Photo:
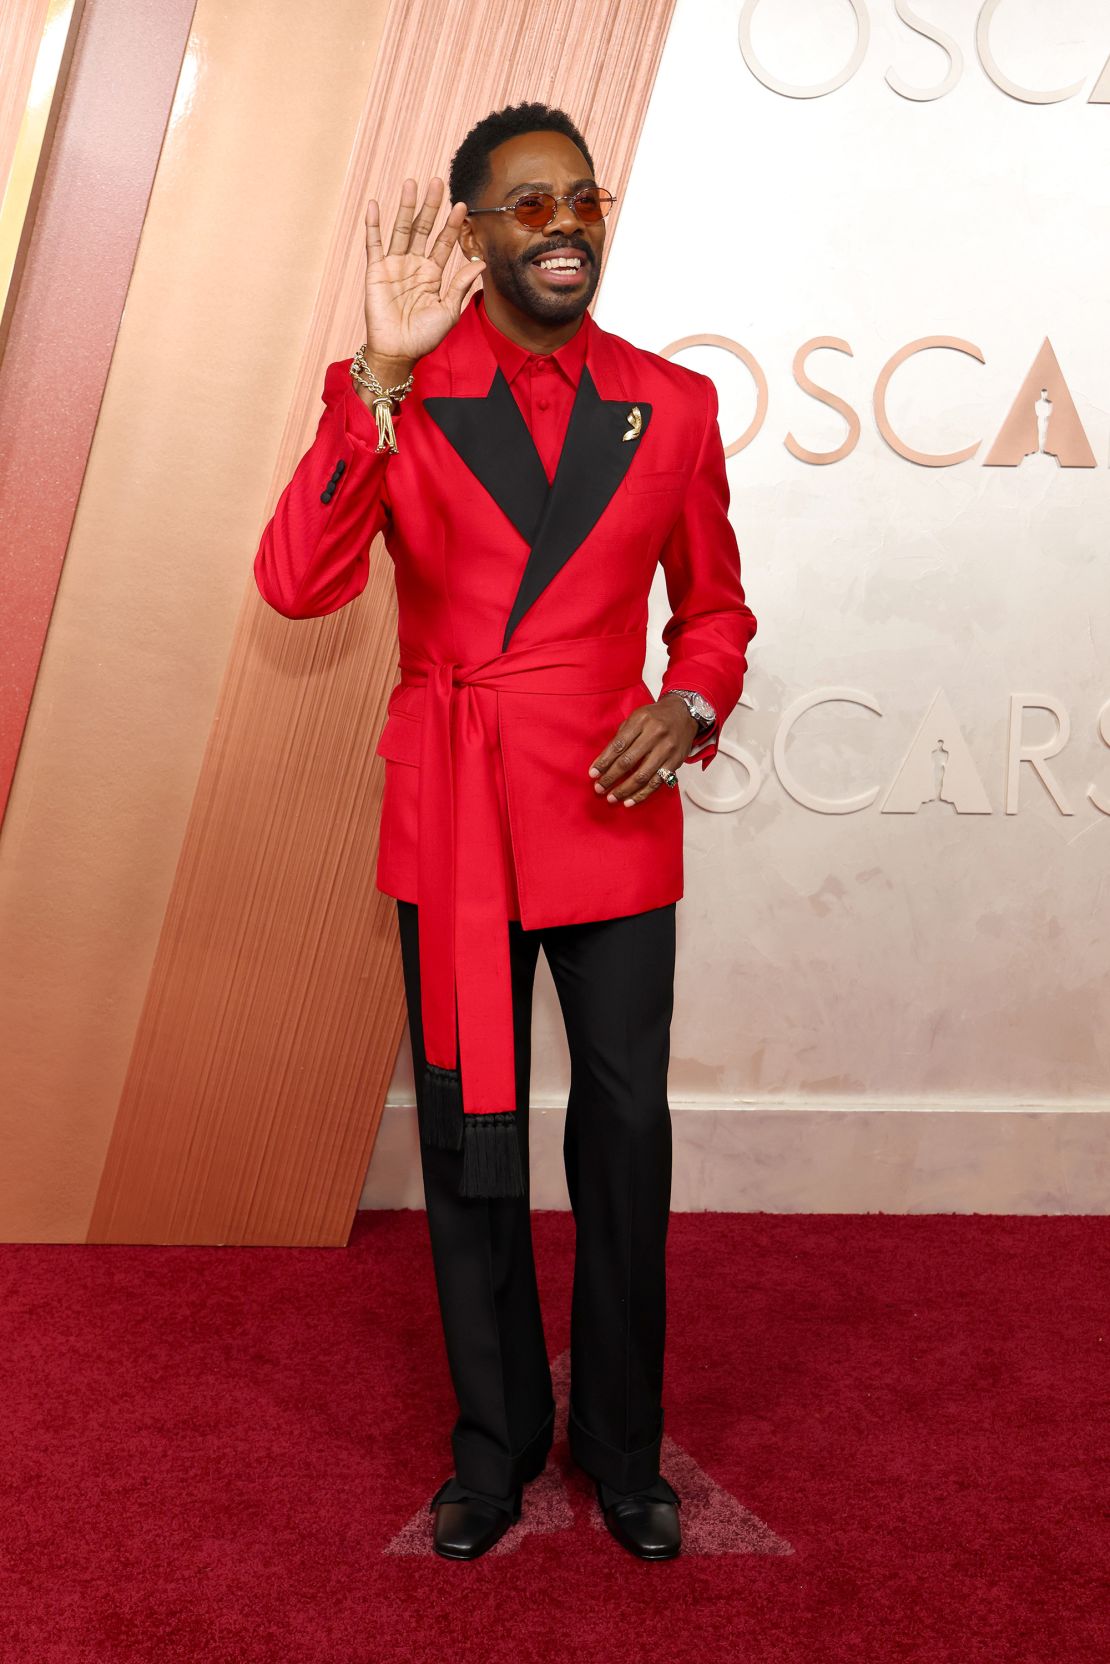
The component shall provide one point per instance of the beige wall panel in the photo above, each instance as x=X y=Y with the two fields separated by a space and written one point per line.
x=208 y=354
x=269 y=1038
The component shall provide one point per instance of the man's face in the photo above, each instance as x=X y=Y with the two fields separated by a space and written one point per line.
x=513 y=252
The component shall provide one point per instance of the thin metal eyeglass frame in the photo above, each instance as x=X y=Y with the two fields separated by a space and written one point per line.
x=511 y=208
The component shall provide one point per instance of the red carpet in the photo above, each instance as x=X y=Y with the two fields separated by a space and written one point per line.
x=890 y=1435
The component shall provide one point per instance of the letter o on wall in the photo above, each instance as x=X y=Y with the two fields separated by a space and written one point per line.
x=786 y=88
x=753 y=367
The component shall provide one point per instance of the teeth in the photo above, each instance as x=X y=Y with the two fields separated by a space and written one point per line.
x=559 y=264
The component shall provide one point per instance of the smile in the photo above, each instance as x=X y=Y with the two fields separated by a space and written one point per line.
x=560 y=269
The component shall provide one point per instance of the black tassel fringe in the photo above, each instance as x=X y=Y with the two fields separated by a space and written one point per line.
x=490 y=1143
x=491 y=1156
x=442 y=1122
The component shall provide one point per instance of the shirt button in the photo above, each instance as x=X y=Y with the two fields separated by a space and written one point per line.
x=542 y=403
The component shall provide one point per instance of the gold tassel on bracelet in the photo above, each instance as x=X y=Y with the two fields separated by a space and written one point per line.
x=384 y=398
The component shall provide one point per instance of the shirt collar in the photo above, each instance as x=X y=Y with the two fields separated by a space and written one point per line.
x=569 y=358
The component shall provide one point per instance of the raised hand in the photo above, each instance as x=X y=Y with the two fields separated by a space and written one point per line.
x=409 y=306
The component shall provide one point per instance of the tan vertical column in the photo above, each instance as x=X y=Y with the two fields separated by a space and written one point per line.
x=66 y=308
x=194 y=381
x=275 y=1006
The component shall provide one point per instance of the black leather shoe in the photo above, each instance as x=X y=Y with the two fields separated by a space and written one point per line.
x=644 y=1522
x=467 y=1522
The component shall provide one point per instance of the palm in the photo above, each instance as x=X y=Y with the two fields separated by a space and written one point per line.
x=406 y=316
x=409 y=306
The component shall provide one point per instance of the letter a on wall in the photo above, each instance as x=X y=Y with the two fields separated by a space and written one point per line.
x=1101 y=94
x=938 y=768
x=1019 y=436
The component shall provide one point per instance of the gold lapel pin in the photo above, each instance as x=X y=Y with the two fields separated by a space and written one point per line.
x=637 y=422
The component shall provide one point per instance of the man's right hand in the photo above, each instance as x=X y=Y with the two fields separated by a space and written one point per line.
x=408 y=308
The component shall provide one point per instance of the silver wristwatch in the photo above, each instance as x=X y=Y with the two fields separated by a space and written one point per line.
x=700 y=709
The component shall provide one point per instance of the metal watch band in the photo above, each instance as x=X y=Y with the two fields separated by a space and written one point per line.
x=697 y=705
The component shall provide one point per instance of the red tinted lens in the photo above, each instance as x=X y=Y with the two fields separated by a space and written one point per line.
x=535 y=211
x=591 y=205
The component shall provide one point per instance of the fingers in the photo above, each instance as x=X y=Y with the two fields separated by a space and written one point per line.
x=618 y=779
x=402 y=225
x=642 y=776
x=422 y=225
x=412 y=230
x=466 y=276
x=374 y=250
x=604 y=766
x=449 y=236
x=626 y=771
x=655 y=783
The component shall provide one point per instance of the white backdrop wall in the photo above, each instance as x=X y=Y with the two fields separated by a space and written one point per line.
x=885 y=906
x=871 y=954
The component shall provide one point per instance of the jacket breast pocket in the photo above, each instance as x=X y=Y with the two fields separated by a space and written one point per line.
x=659 y=479
x=400 y=739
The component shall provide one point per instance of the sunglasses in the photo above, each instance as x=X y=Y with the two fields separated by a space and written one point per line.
x=539 y=208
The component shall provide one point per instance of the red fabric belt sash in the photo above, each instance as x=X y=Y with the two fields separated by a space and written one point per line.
x=462 y=886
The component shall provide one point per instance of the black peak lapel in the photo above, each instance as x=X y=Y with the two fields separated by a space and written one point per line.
x=492 y=437
x=594 y=461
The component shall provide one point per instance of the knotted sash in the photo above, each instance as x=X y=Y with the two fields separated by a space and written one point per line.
x=462 y=892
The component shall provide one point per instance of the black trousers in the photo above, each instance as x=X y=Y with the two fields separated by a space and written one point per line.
x=615 y=983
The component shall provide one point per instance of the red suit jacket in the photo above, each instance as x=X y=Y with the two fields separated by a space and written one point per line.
x=522 y=618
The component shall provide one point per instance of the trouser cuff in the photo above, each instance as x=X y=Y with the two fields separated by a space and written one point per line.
x=622 y=1470
x=480 y=1466
x=452 y=1491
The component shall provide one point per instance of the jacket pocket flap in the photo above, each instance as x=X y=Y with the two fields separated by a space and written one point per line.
x=400 y=739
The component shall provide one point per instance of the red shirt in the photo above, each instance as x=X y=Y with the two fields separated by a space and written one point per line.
x=543 y=384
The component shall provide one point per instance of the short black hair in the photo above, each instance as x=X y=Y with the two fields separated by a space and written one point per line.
x=470 y=169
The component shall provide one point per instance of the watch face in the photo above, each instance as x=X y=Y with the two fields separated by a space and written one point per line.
x=698 y=706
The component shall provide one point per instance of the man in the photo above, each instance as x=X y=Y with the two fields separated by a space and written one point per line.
x=528 y=481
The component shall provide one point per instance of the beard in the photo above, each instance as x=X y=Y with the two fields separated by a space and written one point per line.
x=518 y=281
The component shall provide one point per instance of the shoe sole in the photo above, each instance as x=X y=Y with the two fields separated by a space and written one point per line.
x=445 y=1555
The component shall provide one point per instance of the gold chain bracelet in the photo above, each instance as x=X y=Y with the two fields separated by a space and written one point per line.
x=384 y=398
